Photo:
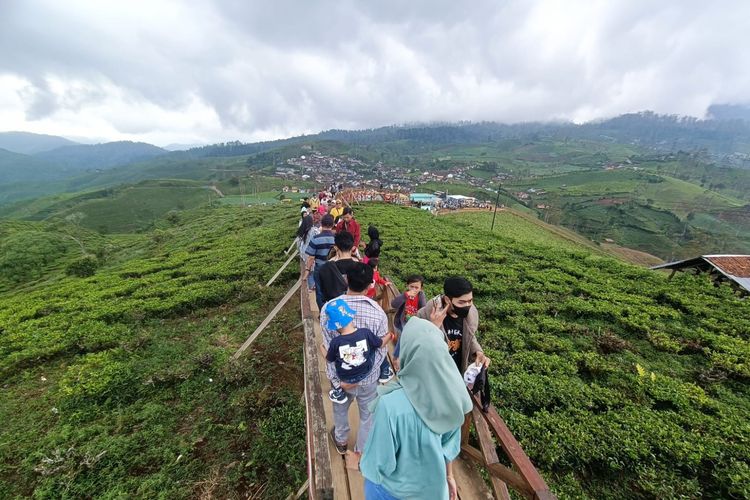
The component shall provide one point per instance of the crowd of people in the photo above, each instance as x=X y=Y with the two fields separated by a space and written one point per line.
x=409 y=430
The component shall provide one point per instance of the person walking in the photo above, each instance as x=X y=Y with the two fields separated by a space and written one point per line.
x=457 y=317
x=317 y=255
x=337 y=210
x=416 y=431
x=349 y=224
x=368 y=314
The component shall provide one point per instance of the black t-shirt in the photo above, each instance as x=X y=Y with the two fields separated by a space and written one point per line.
x=454 y=328
x=353 y=354
x=331 y=285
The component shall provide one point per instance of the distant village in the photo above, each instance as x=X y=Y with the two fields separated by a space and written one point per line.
x=402 y=184
x=379 y=182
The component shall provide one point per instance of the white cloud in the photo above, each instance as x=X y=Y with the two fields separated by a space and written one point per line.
x=201 y=71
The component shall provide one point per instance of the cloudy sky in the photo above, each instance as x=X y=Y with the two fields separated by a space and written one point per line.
x=205 y=71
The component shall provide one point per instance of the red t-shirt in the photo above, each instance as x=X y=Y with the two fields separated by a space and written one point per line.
x=411 y=307
x=376 y=280
x=350 y=227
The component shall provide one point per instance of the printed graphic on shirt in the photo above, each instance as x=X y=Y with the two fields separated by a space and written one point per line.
x=454 y=345
x=454 y=330
x=353 y=356
x=412 y=306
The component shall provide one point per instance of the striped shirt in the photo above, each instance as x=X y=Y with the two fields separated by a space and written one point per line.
x=320 y=245
x=368 y=315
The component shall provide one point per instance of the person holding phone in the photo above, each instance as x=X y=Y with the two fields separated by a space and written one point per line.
x=457 y=317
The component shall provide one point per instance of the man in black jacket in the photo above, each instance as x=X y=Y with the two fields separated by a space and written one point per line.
x=333 y=273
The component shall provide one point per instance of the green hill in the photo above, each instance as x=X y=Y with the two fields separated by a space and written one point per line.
x=119 y=384
x=658 y=214
x=129 y=208
x=617 y=381
x=16 y=167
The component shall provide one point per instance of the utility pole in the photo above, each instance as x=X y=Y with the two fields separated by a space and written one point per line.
x=497 y=200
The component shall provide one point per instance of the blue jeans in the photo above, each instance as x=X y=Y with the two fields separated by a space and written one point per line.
x=310 y=281
x=376 y=492
x=384 y=366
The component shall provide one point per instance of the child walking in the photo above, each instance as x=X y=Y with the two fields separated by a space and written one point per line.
x=352 y=352
x=377 y=279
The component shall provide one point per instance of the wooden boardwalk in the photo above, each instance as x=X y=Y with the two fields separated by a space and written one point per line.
x=347 y=483
x=328 y=477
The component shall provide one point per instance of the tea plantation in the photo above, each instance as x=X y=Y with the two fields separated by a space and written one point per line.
x=119 y=385
x=618 y=382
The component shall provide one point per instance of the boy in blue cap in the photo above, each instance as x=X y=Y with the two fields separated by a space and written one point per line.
x=352 y=352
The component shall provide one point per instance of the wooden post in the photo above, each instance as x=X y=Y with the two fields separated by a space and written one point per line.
x=268 y=319
x=300 y=491
x=487 y=446
x=281 y=269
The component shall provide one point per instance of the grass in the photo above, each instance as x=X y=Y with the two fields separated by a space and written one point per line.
x=525 y=228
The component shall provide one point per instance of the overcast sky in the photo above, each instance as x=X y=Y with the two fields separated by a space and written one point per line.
x=206 y=71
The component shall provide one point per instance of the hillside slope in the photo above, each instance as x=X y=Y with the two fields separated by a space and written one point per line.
x=617 y=382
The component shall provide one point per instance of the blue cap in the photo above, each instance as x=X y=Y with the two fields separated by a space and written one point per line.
x=339 y=314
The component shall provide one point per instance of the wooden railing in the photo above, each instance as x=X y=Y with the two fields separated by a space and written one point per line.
x=522 y=477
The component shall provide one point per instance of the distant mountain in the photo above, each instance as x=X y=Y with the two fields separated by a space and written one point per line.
x=729 y=112
x=101 y=156
x=29 y=144
x=15 y=167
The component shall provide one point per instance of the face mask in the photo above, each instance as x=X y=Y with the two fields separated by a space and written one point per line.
x=461 y=312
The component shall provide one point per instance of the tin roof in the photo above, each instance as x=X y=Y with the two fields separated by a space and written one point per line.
x=734 y=267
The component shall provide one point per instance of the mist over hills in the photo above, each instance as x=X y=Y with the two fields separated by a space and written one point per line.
x=100 y=156
x=29 y=144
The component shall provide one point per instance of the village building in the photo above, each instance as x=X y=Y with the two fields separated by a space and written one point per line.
x=732 y=269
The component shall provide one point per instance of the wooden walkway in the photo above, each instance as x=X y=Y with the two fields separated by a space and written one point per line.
x=328 y=477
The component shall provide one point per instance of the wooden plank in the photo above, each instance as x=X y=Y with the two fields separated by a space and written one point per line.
x=319 y=458
x=487 y=446
x=339 y=474
x=510 y=476
x=469 y=482
x=513 y=449
x=268 y=319
x=283 y=266
x=300 y=491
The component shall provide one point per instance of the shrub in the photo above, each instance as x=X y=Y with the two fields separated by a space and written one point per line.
x=83 y=266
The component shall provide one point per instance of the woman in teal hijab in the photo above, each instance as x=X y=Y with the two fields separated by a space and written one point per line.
x=416 y=432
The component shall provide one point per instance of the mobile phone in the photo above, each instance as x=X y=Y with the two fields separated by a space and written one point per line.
x=441 y=301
